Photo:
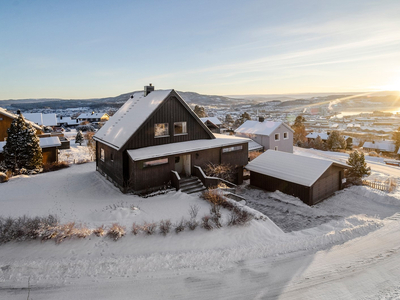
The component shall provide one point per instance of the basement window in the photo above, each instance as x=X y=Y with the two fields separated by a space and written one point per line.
x=156 y=162
x=180 y=128
x=230 y=149
x=161 y=130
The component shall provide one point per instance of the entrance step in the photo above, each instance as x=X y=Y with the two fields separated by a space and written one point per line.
x=191 y=185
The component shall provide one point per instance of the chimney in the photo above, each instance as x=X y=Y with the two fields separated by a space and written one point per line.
x=261 y=119
x=148 y=89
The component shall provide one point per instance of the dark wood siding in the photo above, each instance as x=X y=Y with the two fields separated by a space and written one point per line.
x=170 y=111
x=50 y=155
x=113 y=168
x=236 y=158
x=327 y=184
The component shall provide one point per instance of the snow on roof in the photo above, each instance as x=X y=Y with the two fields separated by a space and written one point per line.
x=262 y=128
x=213 y=120
x=313 y=135
x=34 y=117
x=253 y=146
x=129 y=117
x=47 y=142
x=67 y=120
x=291 y=167
x=13 y=116
x=220 y=140
x=387 y=146
x=42 y=119
x=91 y=115
x=49 y=119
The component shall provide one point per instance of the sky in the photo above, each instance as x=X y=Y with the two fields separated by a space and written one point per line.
x=92 y=49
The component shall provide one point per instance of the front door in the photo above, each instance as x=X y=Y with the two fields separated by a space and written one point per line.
x=182 y=165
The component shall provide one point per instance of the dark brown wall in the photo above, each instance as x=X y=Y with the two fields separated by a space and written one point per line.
x=272 y=184
x=5 y=123
x=328 y=186
x=50 y=155
x=236 y=158
x=113 y=169
x=170 y=111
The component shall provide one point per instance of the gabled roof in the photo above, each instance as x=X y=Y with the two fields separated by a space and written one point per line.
x=127 y=120
x=213 y=120
x=387 y=146
x=91 y=116
x=13 y=116
x=254 y=146
x=290 y=167
x=323 y=135
x=261 y=128
x=45 y=142
x=42 y=119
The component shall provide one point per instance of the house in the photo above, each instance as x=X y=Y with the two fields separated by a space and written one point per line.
x=42 y=119
x=6 y=119
x=49 y=147
x=382 y=146
x=271 y=135
x=214 y=124
x=154 y=133
x=310 y=179
x=324 y=137
x=93 y=117
x=67 y=122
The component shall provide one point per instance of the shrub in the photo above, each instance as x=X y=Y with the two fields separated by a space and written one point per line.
x=206 y=222
x=116 y=231
x=100 y=231
x=239 y=217
x=223 y=171
x=149 y=228
x=193 y=211
x=54 y=166
x=192 y=224
x=3 y=177
x=180 y=226
x=216 y=215
x=254 y=154
x=165 y=227
x=135 y=228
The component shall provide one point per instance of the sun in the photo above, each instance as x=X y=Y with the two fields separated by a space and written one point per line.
x=393 y=85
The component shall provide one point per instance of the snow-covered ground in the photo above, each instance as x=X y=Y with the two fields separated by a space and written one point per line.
x=343 y=248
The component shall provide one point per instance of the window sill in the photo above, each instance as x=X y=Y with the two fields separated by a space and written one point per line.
x=178 y=134
x=161 y=136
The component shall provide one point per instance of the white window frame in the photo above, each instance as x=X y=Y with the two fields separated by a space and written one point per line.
x=155 y=162
x=155 y=130
x=184 y=128
x=287 y=135
x=231 y=149
x=279 y=136
x=102 y=154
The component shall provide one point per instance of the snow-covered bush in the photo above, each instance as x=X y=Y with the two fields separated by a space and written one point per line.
x=54 y=166
x=223 y=171
x=239 y=217
x=100 y=231
x=79 y=138
x=206 y=222
x=136 y=228
x=116 y=231
x=149 y=228
x=3 y=177
x=165 y=227
x=358 y=168
x=180 y=225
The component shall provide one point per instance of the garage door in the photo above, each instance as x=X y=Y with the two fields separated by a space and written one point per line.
x=325 y=187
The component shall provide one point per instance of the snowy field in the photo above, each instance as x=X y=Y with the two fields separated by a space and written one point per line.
x=346 y=247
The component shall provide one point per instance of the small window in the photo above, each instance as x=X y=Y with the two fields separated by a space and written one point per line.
x=1 y=119
x=180 y=128
x=276 y=136
x=230 y=149
x=161 y=129
x=276 y=148
x=101 y=154
x=112 y=156
x=156 y=162
x=285 y=135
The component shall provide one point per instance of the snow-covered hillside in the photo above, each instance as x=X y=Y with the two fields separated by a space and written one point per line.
x=349 y=249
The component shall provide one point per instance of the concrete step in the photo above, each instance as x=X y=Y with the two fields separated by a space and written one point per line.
x=195 y=190
x=190 y=183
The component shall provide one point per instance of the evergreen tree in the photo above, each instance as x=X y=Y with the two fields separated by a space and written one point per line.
x=228 y=119
x=335 y=141
x=358 y=165
x=299 y=135
x=396 y=138
x=22 y=149
x=243 y=118
x=79 y=138
x=319 y=144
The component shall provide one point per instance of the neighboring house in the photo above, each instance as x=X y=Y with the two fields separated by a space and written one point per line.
x=67 y=122
x=49 y=147
x=310 y=179
x=42 y=119
x=271 y=135
x=6 y=119
x=214 y=124
x=93 y=117
x=155 y=133
x=382 y=146
x=324 y=137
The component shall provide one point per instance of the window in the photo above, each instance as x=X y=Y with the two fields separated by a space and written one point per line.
x=285 y=135
x=276 y=148
x=112 y=156
x=180 y=128
x=1 y=119
x=276 y=136
x=156 y=162
x=161 y=129
x=101 y=154
x=230 y=149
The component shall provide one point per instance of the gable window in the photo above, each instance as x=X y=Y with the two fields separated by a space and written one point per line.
x=276 y=136
x=285 y=135
x=230 y=149
x=161 y=129
x=101 y=154
x=156 y=162
x=276 y=148
x=180 y=128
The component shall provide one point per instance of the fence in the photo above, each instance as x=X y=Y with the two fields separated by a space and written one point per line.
x=382 y=186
